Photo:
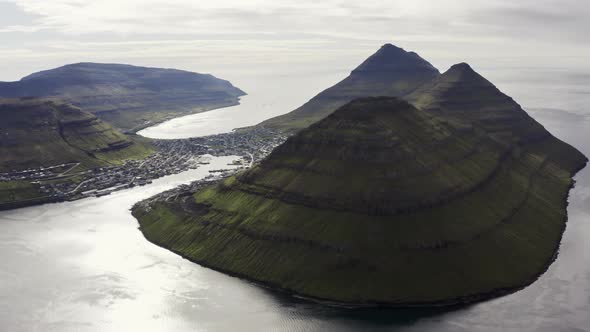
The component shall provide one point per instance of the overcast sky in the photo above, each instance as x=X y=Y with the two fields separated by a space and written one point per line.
x=222 y=35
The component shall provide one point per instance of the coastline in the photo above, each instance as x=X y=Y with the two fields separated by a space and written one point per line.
x=221 y=105
x=44 y=199
x=456 y=302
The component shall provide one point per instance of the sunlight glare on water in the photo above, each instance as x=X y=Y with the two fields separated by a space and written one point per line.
x=84 y=265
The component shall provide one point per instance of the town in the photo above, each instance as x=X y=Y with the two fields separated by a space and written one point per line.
x=68 y=182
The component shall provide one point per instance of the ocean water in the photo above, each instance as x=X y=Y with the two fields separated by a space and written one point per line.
x=269 y=94
x=84 y=265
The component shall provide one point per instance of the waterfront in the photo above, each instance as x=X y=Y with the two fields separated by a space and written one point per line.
x=84 y=266
x=171 y=156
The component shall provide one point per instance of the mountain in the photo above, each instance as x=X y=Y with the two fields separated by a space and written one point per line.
x=128 y=97
x=39 y=133
x=45 y=132
x=381 y=203
x=463 y=96
x=391 y=71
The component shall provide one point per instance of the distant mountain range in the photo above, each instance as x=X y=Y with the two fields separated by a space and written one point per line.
x=450 y=195
x=128 y=97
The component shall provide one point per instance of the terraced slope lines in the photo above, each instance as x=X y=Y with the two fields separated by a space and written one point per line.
x=128 y=97
x=381 y=204
x=42 y=133
x=391 y=71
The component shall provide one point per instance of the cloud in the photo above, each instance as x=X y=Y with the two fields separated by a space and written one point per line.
x=372 y=19
x=13 y=19
x=550 y=21
x=291 y=30
x=19 y=28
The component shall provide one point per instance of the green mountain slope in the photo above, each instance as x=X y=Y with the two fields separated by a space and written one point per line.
x=39 y=133
x=44 y=132
x=464 y=97
x=128 y=97
x=382 y=203
x=391 y=71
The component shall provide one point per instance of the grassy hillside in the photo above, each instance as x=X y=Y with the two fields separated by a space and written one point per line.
x=382 y=203
x=391 y=71
x=464 y=97
x=127 y=97
x=44 y=133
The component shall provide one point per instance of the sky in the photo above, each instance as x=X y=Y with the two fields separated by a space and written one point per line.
x=238 y=37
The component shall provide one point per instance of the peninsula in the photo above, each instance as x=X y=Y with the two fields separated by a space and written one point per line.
x=128 y=97
x=68 y=133
x=450 y=195
x=46 y=145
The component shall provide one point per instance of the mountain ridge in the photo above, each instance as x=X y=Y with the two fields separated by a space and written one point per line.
x=331 y=214
x=42 y=132
x=464 y=97
x=391 y=71
x=127 y=96
x=46 y=133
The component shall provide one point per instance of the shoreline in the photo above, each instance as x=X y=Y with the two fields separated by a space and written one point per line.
x=44 y=199
x=456 y=302
x=221 y=105
x=171 y=156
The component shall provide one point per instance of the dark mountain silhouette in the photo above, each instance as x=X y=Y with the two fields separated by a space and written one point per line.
x=381 y=203
x=391 y=71
x=128 y=97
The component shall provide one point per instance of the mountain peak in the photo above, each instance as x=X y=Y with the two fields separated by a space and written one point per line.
x=392 y=59
x=110 y=90
x=464 y=73
x=461 y=95
x=391 y=72
x=389 y=46
x=463 y=66
x=425 y=206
